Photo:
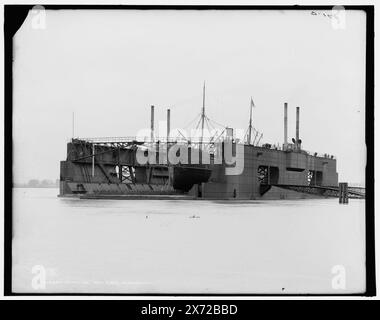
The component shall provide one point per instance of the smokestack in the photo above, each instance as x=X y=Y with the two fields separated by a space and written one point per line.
x=229 y=133
x=297 y=125
x=168 y=125
x=151 y=123
x=285 y=124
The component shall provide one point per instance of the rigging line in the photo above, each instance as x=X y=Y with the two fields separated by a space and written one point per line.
x=192 y=121
x=254 y=139
x=199 y=122
x=220 y=134
x=216 y=131
x=212 y=138
x=221 y=125
x=211 y=124
x=209 y=129
x=214 y=128
x=259 y=139
x=218 y=124
x=182 y=134
x=208 y=124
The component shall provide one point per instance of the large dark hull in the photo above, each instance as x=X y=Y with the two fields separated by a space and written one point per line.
x=185 y=177
x=265 y=174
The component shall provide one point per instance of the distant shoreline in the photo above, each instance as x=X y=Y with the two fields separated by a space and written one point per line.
x=39 y=187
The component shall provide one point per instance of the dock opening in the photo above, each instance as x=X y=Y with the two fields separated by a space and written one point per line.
x=268 y=175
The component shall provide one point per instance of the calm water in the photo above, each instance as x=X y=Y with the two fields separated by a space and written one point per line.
x=154 y=246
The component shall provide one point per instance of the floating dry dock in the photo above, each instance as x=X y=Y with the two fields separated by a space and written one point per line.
x=109 y=168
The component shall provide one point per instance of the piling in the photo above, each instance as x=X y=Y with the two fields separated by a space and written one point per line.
x=343 y=192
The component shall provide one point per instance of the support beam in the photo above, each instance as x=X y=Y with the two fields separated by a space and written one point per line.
x=131 y=174
x=120 y=173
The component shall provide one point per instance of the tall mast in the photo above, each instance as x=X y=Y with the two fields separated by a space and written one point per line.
x=152 y=124
x=250 y=123
x=203 y=109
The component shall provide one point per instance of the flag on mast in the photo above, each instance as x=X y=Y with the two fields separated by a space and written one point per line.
x=252 y=103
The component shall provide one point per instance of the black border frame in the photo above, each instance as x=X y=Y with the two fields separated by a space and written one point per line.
x=14 y=15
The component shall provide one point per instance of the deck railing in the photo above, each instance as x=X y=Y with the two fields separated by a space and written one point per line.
x=191 y=140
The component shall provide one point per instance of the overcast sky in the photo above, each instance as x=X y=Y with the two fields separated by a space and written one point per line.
x=109 y=67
